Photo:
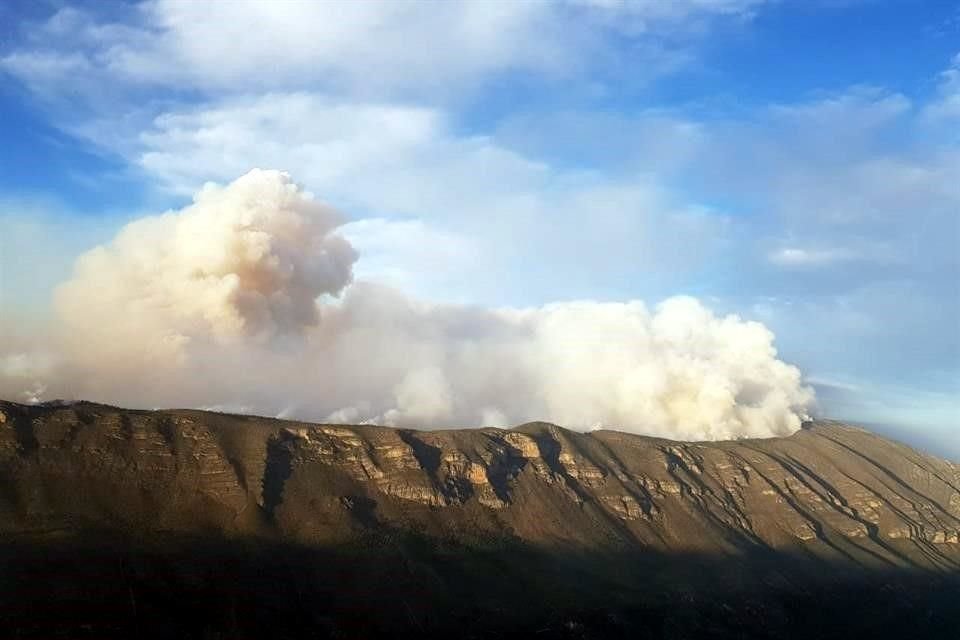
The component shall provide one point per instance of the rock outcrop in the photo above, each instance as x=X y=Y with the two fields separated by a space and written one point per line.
x=831 y=489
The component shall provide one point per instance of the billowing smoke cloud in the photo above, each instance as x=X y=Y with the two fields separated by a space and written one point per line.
x=244 y=301
x=244 y=263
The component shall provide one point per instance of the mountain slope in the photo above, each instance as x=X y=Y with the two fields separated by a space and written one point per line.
x=676 y=514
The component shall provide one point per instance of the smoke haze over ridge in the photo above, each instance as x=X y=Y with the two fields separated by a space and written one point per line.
x=245 y=301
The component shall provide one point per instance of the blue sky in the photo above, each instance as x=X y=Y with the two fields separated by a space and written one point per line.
x=794 y=162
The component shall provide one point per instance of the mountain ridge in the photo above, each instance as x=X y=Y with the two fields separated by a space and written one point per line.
x=830 y=482
x=366 y=531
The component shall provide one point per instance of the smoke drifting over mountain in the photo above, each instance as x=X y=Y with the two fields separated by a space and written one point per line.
x=244 y=301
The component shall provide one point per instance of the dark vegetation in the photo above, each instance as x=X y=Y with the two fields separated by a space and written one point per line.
x=104 y=586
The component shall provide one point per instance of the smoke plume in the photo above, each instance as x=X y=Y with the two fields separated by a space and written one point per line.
x=244 y=301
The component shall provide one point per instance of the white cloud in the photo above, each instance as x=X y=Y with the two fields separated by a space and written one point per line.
x=376 y=47
x=356 y=45
x=798 y=257
x=393 y=254
x=394 y=161
x=853 y=182
x=313 y=88
x=946 y=109
x=334 y=141
x=850 y=114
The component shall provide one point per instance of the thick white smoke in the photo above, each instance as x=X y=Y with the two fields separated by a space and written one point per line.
x=243 y=263
x=243 y=301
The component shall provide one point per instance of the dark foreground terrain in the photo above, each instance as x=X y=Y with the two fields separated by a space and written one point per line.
x=125 y=524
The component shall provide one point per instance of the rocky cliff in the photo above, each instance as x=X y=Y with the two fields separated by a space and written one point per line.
x=831 y=488
x=831 y=492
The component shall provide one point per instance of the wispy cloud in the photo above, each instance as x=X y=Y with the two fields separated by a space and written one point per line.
x=801 y=258
x=380 y=47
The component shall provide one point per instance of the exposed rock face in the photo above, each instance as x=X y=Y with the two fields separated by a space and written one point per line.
x=830 y=489
x=118 y=524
